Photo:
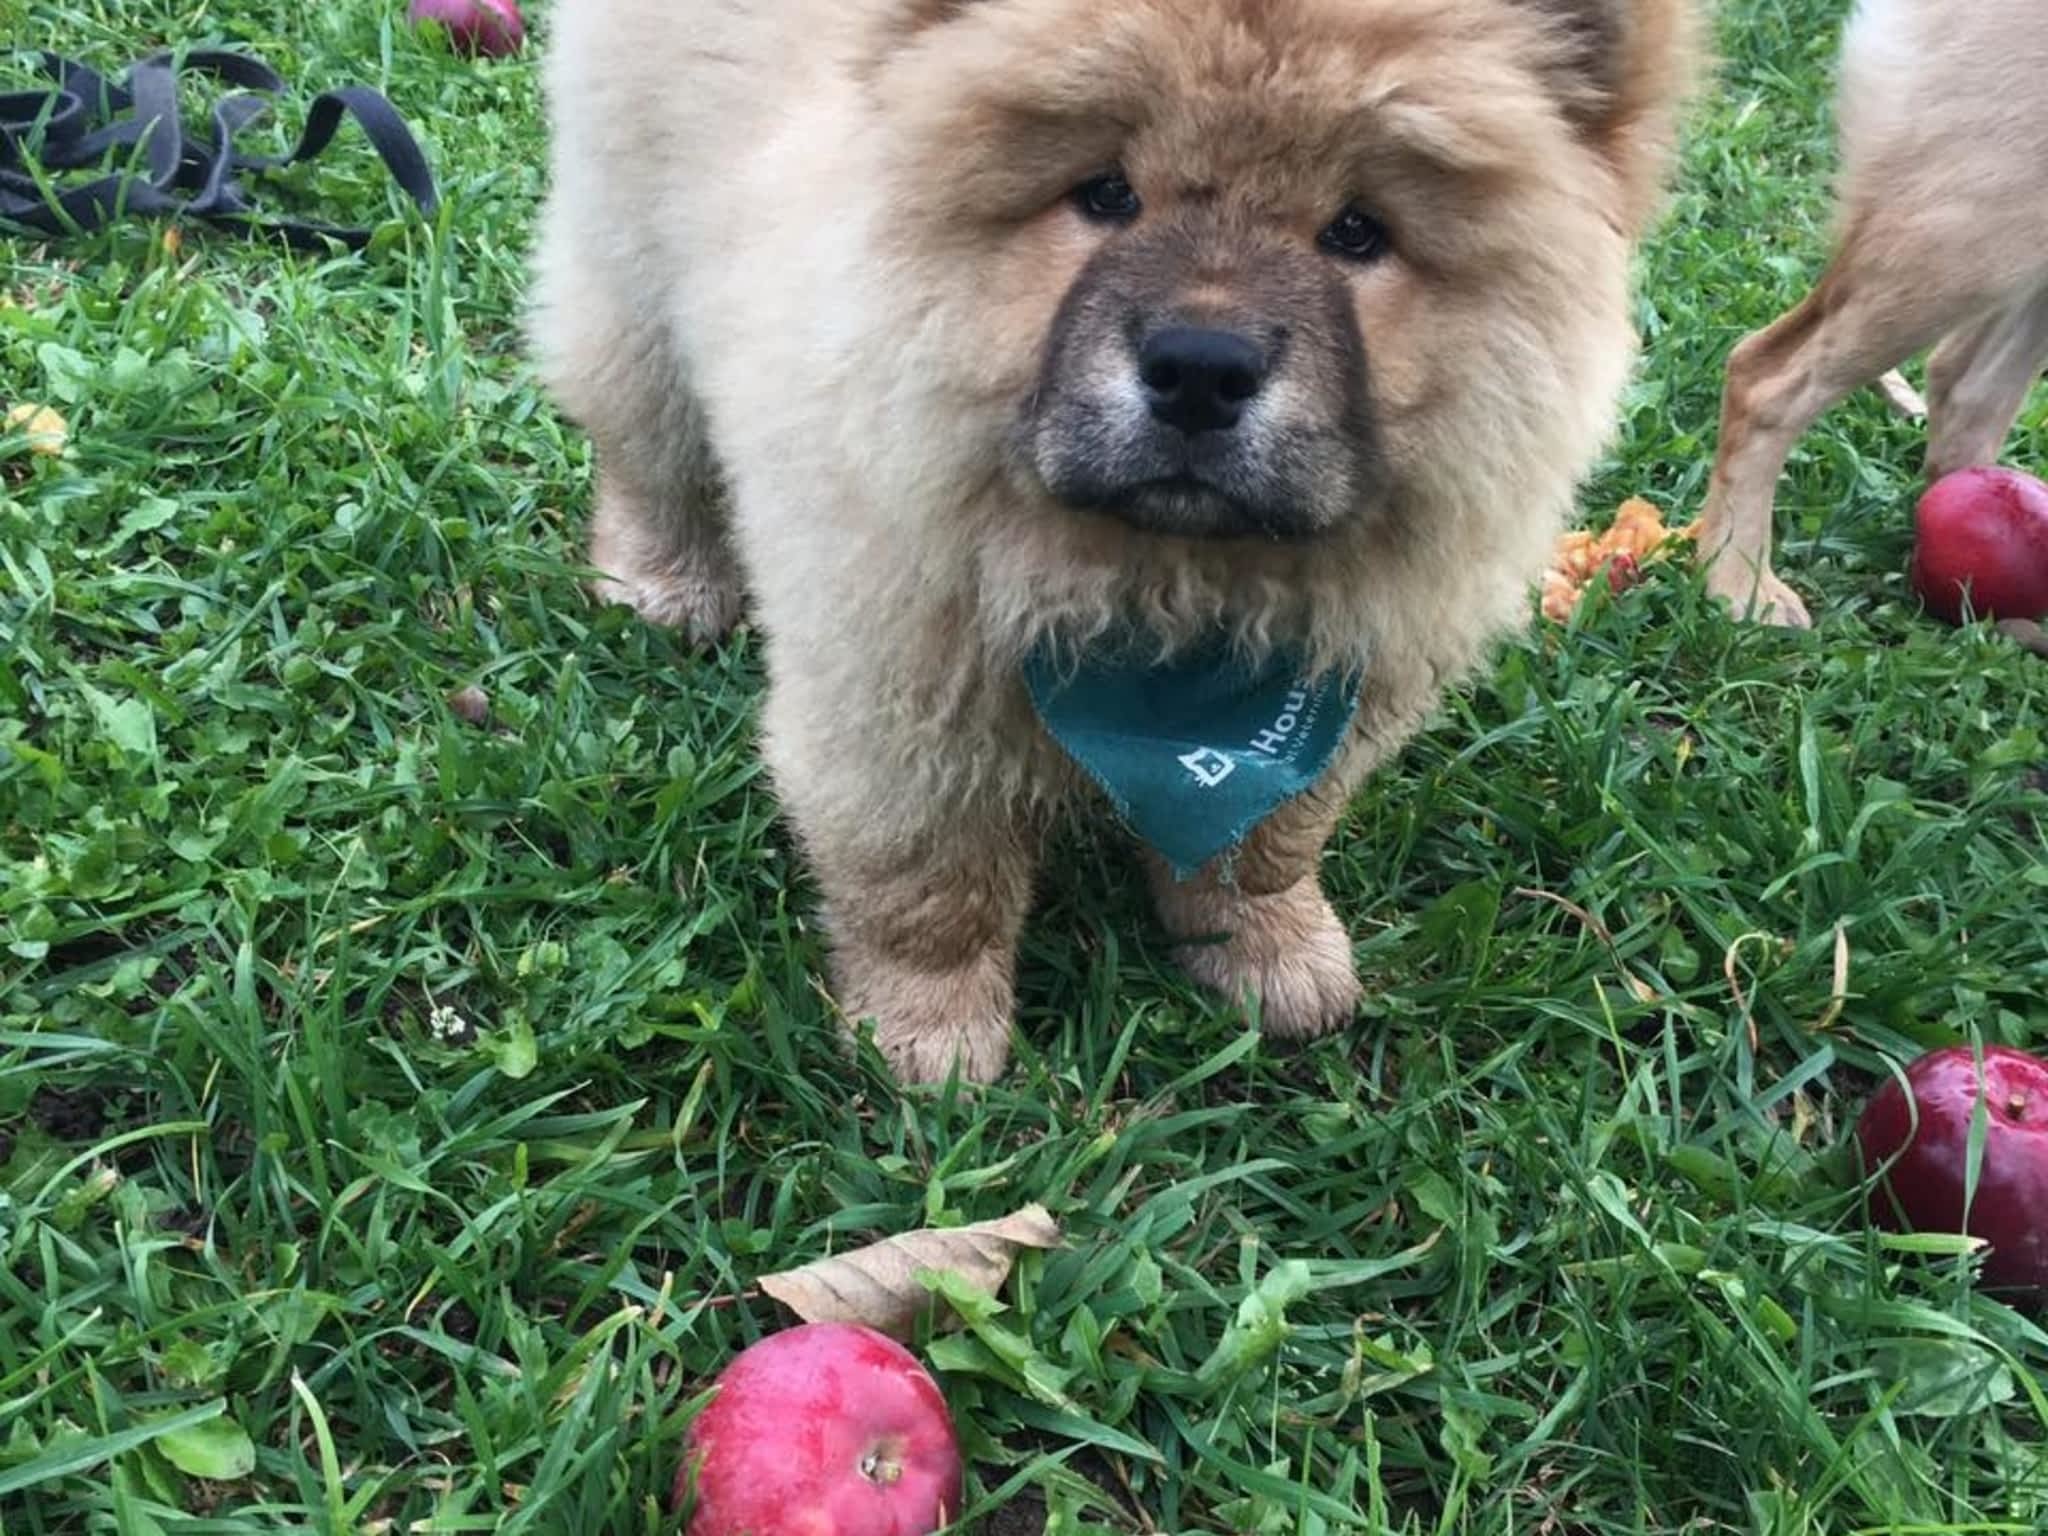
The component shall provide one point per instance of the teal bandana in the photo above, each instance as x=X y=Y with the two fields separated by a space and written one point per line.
x=1198 y=751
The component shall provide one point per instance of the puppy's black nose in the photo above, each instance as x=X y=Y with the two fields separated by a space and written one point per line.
x=1198 y=379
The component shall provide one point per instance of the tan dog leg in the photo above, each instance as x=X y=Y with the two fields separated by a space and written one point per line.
x=1262 y=932
x=1977 y=380
x=658 y=531
x=1868 y=312
x=924 y=942
x=657 y=538
x=1268 y=937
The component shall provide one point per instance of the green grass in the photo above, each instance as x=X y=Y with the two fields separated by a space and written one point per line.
x=391 y=1108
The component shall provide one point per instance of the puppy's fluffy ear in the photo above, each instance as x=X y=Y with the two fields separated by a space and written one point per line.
x=1623 y=70
x=904 y=23
x=909 y=17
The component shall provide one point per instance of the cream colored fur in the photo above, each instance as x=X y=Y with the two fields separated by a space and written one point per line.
x=800 y=380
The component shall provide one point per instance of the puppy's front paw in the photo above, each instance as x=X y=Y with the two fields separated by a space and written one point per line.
x=1286 y=952
x=927 y=1020
x=1761 y=596
x=673 y=569
x=701 y=598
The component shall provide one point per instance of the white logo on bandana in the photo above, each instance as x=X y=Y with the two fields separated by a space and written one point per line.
x=1208 y=766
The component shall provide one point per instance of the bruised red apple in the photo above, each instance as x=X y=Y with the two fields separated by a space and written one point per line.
x=1982 y=532
x=825 y=1429
x=492 y=28
x=1925 y=1186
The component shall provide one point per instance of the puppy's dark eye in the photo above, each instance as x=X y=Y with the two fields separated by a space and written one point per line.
x=1108 y=198
x=1355 y=235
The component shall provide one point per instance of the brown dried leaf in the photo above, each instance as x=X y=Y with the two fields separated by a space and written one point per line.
x=1838 y=999
x=878 y=1285
x=1730 y=959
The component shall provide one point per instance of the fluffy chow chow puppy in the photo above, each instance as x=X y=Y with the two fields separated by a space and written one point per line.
x=1126 y=400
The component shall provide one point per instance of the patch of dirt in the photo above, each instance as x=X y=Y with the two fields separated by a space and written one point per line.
x=73 y=1114
x=78 y=1116
x=186 y=1220
x=1291 y=1063
x=1022 y=1516
x=459 y=1323
x=1025 y=1515
x=86 y=951
x=177 y=968
x=2032 y=781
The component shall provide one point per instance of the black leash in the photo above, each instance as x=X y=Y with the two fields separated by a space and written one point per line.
x=80 y=122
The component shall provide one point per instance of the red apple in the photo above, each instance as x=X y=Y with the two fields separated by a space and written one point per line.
x=492 y=28
x=1925 y=1185
x=825 y=1429
x=1984 y=532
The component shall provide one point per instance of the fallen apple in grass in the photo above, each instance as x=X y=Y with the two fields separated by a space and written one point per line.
x=1982 y=533
x=825 y=1429
x=1924 y=1123
x=493 y=28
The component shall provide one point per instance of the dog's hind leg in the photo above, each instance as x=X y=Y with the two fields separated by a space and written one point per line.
x=657 y=532
x=658 y=538
x=1870 y=310
x=1977 y=380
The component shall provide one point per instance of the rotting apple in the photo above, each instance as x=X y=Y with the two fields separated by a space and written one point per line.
x=1982 y=533
x=493 y=28
x=1924 y=1123
x=824 y=1429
